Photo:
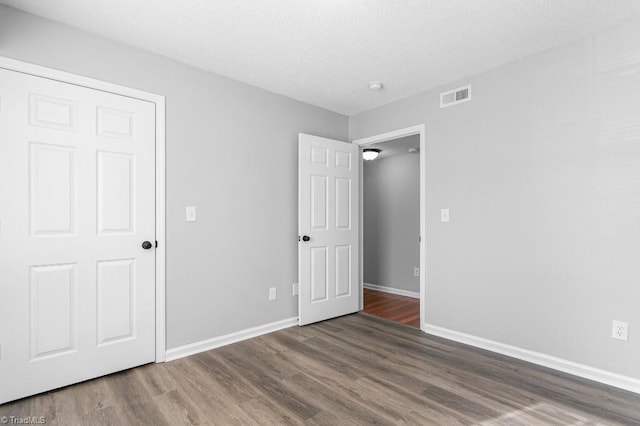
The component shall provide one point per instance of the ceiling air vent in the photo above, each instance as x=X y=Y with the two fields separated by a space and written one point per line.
x=455 y=96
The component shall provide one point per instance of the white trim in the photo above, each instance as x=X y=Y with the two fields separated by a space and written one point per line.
x=78 y=80
x=227 y=339
x=395 y=134
x=391 y=290
x=420 y=129
x=159 y=101
x=161 y=249
x=570 y=367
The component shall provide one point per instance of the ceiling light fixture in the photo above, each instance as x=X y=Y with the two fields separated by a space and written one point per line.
x=370 y=154
x=376 y=86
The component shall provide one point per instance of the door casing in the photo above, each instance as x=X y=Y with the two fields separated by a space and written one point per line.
x=383 y=137
x=159 y=101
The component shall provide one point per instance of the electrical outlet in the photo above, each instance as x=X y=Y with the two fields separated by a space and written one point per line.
x=416 y=272
x=273 y=295
x=620 y=330
x=294 y=289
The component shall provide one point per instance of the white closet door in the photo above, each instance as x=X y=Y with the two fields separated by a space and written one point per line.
x=77 y=200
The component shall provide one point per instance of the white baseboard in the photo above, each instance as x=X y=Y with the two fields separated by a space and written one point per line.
x=413 y=294
x=227 y=339
x=570 y=367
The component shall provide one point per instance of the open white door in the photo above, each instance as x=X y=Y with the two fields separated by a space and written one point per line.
x=328 y=185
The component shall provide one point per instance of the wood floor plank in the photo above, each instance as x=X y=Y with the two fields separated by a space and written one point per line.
x=402 y=309
x=104 y=416
x=266 y=412
x=274 y=384
x=92 y=396
x=56 y=407
x=140 y=412
x=156 y=379
x=127 y=388
x=207 y=394
x=178 y=409
x=334 y=383
x=357 y=369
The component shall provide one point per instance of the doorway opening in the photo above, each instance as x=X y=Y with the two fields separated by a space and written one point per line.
x=392 y=260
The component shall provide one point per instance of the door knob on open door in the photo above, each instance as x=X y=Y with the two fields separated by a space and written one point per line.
x=306 y=238
x=147 y=245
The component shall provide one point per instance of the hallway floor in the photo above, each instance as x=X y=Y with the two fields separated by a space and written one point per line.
x=402 y=309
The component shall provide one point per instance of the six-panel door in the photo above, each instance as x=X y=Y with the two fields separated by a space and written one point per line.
x=77 y=199
x=328 y=215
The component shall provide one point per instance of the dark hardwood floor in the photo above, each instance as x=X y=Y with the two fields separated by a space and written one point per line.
x=356 y=369
x=402 y=309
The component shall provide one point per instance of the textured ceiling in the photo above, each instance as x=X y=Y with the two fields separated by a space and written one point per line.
x=325 y=52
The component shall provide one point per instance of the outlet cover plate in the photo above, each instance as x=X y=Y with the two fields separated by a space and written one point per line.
x=272 y=293
x=620 y=330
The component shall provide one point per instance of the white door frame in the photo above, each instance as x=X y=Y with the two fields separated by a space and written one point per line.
x=159 y=101
x=408 y=131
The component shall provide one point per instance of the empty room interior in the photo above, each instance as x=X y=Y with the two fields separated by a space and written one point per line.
x=293 y=212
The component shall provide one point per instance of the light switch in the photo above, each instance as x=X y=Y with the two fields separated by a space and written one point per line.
x=192 y=214
x=444 y=215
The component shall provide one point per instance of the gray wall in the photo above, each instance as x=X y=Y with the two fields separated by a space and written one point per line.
x=541 y=172
x=231 y=151
x=392 y=221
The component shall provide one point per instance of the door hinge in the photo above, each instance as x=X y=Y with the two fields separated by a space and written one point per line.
x=156 y=243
